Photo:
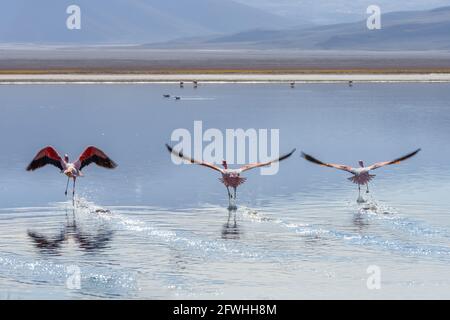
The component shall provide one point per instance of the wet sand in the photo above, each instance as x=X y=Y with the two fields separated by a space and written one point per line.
x=218 y=78
x=59 y=64
x=110 y=59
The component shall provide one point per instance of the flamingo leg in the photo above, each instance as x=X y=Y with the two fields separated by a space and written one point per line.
x=229 y=193
x=73 y=191
x=67 y=185
x=230 y=197
x=367 y=186
x=234 y=193
x=360 y=199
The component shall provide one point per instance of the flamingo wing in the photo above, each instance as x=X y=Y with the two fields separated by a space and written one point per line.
x=263 y=164
x=331 y=165
x=42 y=241
x=47 y=155
x=94 y=155
x=191 y=160
x=396 y=161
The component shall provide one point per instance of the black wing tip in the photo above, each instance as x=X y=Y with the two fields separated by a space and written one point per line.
x=412 y=154
x=171 y=150
x=287 y=155
x=112 y=164
x=307 y=156
x=31 y=167
x=107 y=163
x=311 y=158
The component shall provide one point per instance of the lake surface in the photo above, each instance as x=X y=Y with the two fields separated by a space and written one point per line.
x=151 y=229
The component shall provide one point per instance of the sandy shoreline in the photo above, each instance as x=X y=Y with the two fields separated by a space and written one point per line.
x=217 y=78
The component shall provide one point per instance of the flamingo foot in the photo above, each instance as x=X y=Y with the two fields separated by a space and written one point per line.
x=361 y=200
x=232 y=203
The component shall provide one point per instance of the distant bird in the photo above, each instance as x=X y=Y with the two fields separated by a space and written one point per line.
x=166 y=95
x=49 y=155
x=361 y=175
x=195 y=84
x=292 y=84
x=350 y=83
x=177 y=98
x=181 y=84
x=231 y=178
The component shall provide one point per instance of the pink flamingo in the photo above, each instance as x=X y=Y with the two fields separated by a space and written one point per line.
x=49 y=155
x=361 y=175
x=231 y=178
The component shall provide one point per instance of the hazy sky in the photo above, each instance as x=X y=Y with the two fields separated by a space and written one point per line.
x=339 y=10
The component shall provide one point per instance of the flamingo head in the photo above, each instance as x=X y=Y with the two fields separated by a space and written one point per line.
x=66 y=158
x=361 y=163
x=224 y=164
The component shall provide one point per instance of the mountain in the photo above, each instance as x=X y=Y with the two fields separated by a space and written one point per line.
x=413 y=30
x=128 y=21
x=342 y=11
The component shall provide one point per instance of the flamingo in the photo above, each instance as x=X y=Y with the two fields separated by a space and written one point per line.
x=231 y=178
x=49 y=155
x=361 y=175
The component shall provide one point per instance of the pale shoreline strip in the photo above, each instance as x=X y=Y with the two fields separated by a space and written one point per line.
x=217 y=78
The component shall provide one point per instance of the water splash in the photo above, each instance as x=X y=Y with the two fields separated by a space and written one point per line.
x=395 y=246
x=391 y=218
x=102 y=281
x=182 y=239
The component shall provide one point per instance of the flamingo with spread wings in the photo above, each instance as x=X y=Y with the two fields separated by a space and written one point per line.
x=49 y=155
x=231 y=178
x=361 y=175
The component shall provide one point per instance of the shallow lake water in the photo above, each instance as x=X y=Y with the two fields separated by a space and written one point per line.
x=152 y=229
